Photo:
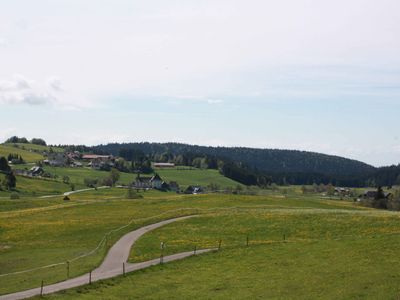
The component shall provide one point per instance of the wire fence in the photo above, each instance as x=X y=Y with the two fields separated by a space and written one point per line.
x=190 y=211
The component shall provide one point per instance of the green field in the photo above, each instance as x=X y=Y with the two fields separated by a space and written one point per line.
x=192 y=176
x=35 y=147
x=39 y=187
x=344 y=250
x=28 y=156
x=77 y=175
x=299 y=247
x=351 y=269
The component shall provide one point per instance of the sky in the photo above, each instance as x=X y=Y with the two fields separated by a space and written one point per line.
x=315 y=75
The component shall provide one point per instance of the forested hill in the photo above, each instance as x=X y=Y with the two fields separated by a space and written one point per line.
x=267 y=161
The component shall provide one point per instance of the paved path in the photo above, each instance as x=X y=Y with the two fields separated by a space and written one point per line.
x=74 y=192
x=112 y=265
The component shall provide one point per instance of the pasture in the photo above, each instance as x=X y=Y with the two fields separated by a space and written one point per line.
x=28 y=156
x=40 y=187
x=193 y=176
x=299 y=247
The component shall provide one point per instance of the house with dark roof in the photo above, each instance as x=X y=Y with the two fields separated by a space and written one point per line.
x=142 y=182
x=374 y=195
x=57 y=160
x=194 y=190
x=35 y=171
x=154 y=182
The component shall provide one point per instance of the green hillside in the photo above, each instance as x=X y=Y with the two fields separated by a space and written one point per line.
x=36 y=186
x=35 y=147
x=27 y=155
x=77 y=175
x=192 y=176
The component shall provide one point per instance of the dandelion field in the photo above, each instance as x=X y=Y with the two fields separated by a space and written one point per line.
x=298 y=247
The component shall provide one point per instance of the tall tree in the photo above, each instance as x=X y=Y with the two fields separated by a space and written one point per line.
x=114 y=175
x=10 y=181
x=4 y=165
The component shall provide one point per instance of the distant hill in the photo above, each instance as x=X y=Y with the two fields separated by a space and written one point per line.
x=291 y=166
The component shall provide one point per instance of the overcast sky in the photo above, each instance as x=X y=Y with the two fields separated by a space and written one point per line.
x=316 y=75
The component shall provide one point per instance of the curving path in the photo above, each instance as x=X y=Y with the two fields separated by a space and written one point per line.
x=74 y=192
x=112 y=265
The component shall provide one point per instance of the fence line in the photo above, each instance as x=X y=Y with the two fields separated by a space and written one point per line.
x=198 y=211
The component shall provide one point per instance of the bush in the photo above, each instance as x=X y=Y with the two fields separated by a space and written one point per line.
x=38 y=141
x=131 y=194
x=65 y=179
x=107 y=181
x=66 y=198
x=14 y=196
x=90 y=182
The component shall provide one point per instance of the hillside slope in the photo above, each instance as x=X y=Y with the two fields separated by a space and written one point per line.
x=265 y=160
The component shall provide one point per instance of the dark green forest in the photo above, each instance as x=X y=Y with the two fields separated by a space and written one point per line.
x=256 y=166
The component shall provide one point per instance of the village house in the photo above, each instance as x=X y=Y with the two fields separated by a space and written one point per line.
x=154 y=182
x=98 y=157
x=163 y=165
x=56 y=160
x=73 y=155
x=194 y=190
x=99 y=162
x=35 y=171
x=343 y=192
x=374 y=194
x=142 y=182
x=32 y=172
x=76 y=164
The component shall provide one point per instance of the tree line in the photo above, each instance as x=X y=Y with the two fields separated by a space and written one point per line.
x=24 y=140
x=246 y=165
x=260 y=166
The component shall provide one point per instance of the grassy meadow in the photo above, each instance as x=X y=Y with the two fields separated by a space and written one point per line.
x=54 y=186
x=346 y=269
x=299 y=247
x=35 y=147
x=28 y=187
x=193 y=176
x=28 y=156
x=38 y=234
x=77 y=175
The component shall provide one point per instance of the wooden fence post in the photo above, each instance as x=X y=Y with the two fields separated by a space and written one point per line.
x=67 y=269
x=195 y=248
x=247 y=241
x=162 y=253
x=41 y=289
x=90 y=277
x=219 y=245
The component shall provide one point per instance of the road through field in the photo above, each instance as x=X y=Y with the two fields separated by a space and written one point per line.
x=113 y=265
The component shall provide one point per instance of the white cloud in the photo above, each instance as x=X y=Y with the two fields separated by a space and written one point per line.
x=20 y=90
x=17 y=83
x=55 y=84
